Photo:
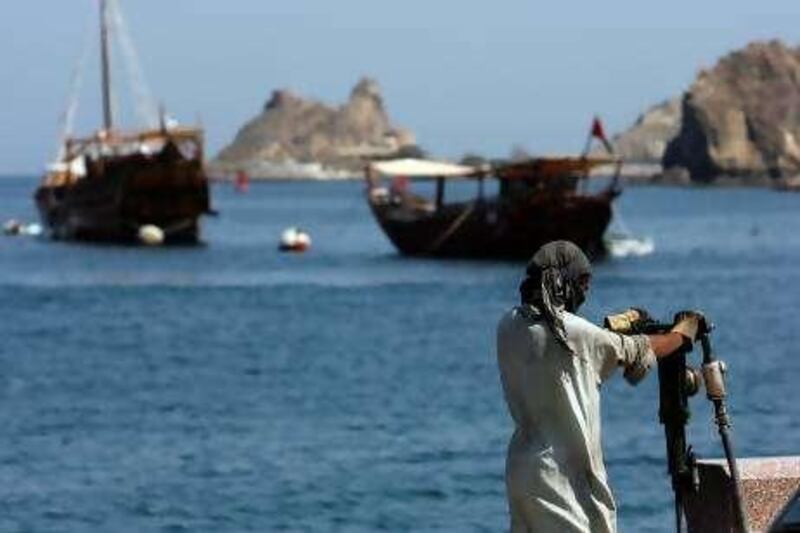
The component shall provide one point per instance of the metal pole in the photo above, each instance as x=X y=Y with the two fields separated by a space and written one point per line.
x=108 y=120
x=727 y=445
x=439 y=192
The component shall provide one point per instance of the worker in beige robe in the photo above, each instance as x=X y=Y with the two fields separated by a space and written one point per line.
x=552 y=363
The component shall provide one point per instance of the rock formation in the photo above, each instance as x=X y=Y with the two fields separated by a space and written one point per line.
x=647 y=139
x=742 y=117
x=297 y=137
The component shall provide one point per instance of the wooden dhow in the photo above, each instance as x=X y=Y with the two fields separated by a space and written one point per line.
x=538 y=200
x=108 y=186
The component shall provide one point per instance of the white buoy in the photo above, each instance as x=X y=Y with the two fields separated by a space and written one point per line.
x=151 y=235
x=294 y=240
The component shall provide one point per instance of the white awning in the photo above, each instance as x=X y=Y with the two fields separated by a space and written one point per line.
x=414 y=168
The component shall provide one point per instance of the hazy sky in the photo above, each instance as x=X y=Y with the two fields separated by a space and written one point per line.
x=463 y=75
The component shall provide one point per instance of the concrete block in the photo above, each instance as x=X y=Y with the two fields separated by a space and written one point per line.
x=768 y=484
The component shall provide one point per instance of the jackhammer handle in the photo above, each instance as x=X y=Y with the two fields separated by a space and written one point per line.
x=653 y=328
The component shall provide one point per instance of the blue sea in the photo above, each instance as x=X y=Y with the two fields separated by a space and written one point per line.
x=229 y=387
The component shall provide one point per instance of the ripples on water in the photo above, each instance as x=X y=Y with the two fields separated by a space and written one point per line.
x=232 y=388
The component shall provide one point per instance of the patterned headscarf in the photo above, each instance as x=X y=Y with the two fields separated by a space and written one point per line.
x=552 y=284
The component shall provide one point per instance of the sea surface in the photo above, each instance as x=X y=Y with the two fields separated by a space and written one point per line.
x=230 y=387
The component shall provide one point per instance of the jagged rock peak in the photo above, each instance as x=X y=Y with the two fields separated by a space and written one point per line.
x=282 y=98
x=647 y=138
x=366 y=87
x=758 y=61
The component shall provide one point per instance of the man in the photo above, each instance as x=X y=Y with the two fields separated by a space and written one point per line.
x=552 y=363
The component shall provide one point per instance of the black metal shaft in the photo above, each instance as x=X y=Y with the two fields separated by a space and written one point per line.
x=730 y=456
x=673 y=413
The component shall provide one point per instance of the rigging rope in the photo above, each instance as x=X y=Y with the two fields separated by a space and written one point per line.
x=445 y=235
x=66 y=121
x=616 y=220
x=146 y=108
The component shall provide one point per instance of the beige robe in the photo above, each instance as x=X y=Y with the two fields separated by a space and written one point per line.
x=555 y=477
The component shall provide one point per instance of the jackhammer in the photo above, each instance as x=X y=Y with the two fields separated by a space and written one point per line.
x=677 y=383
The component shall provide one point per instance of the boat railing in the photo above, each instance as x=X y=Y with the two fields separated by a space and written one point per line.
x=104 y=143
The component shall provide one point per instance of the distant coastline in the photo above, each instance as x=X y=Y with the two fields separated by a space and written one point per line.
x=633 y=174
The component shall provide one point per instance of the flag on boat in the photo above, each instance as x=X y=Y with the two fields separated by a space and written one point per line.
x=599 y=133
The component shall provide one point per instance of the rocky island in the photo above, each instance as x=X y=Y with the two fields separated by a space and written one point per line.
x=296 y=137
x=739 y=122
x=742 y=117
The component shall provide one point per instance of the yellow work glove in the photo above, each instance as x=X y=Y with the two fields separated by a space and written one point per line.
x=626 y=321
x=689 y=324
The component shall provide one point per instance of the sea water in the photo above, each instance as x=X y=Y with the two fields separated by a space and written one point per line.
x=230 y=387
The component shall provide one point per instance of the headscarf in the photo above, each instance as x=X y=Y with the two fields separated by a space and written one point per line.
x=552 y=286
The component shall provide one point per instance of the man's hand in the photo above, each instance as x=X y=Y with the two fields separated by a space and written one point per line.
x=627 y=321
x=689 y=324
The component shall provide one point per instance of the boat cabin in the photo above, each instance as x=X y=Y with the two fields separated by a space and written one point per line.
x=551 y=176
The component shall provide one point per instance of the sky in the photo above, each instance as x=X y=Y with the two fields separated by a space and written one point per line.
x=464 y=76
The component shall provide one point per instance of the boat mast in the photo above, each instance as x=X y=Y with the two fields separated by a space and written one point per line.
x=107 y=116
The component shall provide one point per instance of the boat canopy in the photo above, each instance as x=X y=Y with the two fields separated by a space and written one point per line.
x=548 y=167
x=418 y=168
